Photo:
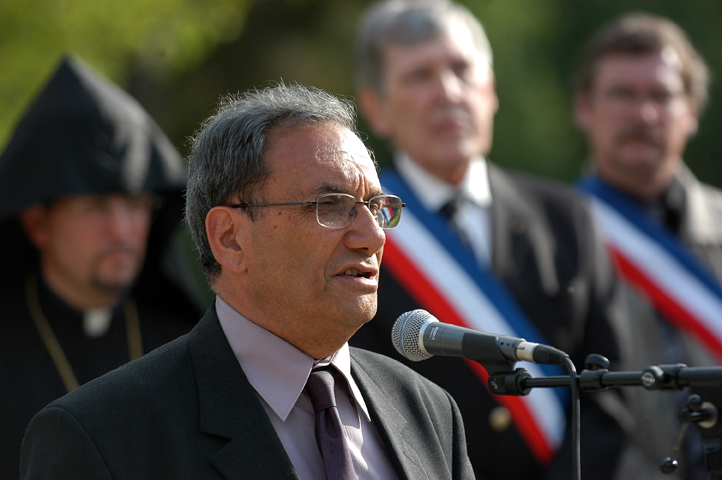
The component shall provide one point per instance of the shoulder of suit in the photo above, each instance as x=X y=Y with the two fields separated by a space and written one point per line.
x=712 y=195
x=389 y=369
x=544 y=185
x=701 y=195
x=543 y=191
x=144 y=376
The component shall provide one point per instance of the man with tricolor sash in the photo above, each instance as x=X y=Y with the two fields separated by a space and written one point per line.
x=482 y=247
x=640 y=90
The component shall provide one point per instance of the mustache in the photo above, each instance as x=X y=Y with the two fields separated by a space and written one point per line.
x=126 y=247
x=641 y=133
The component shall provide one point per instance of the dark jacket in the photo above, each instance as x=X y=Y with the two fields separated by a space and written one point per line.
x=187 y=411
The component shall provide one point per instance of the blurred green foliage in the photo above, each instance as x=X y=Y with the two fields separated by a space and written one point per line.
x=178 y=56
x=537 y=45
x=163 y=38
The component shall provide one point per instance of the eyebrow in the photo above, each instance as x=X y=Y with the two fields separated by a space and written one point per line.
x=332 y=188
x=328 y=188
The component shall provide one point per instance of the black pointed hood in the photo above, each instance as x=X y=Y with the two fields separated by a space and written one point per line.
x=84 y=135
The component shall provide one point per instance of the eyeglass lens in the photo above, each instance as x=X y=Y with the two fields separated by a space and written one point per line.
x=337 y=210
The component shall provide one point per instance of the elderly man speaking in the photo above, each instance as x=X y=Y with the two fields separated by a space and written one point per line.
x=288 y=213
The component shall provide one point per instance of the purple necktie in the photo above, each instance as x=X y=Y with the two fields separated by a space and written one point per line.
x=330 y=439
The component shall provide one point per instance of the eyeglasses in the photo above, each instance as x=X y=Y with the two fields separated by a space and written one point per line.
x=337 y=210
x=625 y=98
x=100 y=207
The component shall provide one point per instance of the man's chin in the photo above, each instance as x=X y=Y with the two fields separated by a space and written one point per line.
x=362 y=310
x=114 y=284
x=642 y=152
x=117 y=272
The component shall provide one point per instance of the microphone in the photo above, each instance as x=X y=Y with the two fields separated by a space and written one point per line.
x=418 y=335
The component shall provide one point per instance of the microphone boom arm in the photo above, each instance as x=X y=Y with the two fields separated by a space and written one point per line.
x=706 y=382
x=675 y=377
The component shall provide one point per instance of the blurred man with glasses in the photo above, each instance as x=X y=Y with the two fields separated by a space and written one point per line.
x=91 y=277
x=481 y=246
x=287 y=211
x=640 y=90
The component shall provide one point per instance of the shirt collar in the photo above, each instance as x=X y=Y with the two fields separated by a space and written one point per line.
x=433 y=193
x=277 y=370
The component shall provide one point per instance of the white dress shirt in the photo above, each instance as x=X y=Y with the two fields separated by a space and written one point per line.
x=473 y=216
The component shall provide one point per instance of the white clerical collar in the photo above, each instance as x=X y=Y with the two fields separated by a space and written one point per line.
x=433 y=193
x=96 y=321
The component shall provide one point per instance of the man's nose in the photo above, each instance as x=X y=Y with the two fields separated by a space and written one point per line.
x=123 y=218
x=450 y=86
x=366 y=233
x=649 y=110
x=119 y=219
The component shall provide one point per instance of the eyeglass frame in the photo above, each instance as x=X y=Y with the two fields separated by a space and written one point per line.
x=315 y=204
x=98 y=206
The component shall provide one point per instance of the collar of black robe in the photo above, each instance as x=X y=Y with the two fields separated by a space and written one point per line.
x=60 y=327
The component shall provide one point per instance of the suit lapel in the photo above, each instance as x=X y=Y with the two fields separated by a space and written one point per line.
x=391 y=425
x=229 y=408
x=699 y=225
x=521 y=241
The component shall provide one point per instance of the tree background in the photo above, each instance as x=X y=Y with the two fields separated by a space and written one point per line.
x=536 y=46
x=178 y=56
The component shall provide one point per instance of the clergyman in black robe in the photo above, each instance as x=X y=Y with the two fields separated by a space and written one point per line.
x=87 y=148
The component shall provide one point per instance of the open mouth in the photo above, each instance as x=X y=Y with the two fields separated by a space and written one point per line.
x=354 y=272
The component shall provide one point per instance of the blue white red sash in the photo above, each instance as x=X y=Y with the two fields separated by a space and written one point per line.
x=442 y=276
x=656 y=262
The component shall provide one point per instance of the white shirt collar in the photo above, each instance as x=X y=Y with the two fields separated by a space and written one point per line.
x=433 y=193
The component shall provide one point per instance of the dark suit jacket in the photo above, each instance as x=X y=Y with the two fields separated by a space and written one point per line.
x=546 y=252
x=187 y=410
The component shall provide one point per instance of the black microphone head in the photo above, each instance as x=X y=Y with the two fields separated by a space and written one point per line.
x=407 y=332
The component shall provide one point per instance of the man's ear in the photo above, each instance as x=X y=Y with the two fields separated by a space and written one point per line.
x=496 y=95
x=692 y=122
x=34 y=222
x=371 y=106
x=582 y=110
x=224 y=228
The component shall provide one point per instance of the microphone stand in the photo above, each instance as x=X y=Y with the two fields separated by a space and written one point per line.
x=703 y=405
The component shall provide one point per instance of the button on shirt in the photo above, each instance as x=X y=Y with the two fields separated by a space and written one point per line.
x=278 y=372
x=473 y=215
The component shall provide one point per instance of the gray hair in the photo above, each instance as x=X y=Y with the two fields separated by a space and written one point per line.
x=227 y=157
x=409 y=22
x=639 y=34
